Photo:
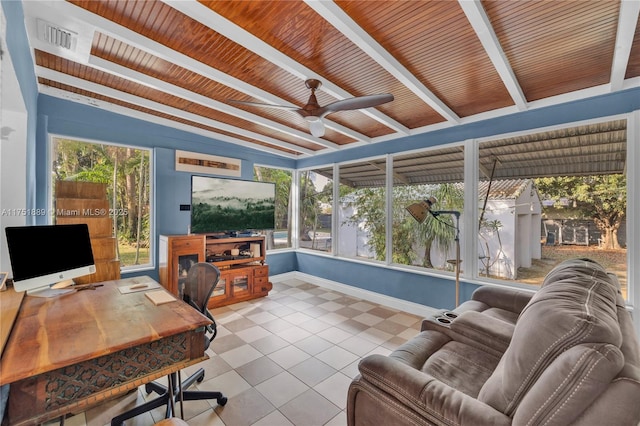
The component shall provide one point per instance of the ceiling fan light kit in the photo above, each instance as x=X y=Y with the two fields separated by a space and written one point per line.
x=313 y=113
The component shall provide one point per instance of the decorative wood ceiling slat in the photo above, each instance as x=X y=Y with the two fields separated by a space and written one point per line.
x=300 y=33
x=633 y=67
x=86 y=73
x=437 y=44
x=119 y=53
x=556 y=47
x=551 y=47
x=209 y=47
x=118 y=102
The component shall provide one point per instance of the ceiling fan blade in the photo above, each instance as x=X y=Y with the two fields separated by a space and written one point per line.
x=359 y=102
x=316 y=127
x=290 y=108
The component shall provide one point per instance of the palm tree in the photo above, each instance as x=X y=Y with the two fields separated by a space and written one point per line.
x=441 y=229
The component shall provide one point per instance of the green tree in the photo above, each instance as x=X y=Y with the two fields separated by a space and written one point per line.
x=282 y=180
x=126 y=172
x=441 y=229
x=311 y=204
x=368 y=205
x=283 y=202
x=407 y=233
x=602 y=198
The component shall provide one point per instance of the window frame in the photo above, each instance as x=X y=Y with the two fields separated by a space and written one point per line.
x=298 y=224
x=294 y=209
x=152 y=211
x=470 y=215
x=471 y=186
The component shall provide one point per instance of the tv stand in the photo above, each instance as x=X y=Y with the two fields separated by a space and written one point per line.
x=243 y=276
x=220 y=236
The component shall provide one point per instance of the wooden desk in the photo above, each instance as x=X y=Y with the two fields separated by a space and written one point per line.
x=10 y=301
x=69 y=353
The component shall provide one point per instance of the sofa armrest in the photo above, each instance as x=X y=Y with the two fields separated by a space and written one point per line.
x=509 y=299
x=423 y=393
x=486 y=330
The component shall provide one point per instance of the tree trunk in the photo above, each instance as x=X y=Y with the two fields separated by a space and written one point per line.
x=139 y=212
x=115 y=204
x=426 y=261
x=130 y=198
x=614 y=236
x=609 y=229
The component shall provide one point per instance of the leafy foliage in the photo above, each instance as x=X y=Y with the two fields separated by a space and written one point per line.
x=124 y=169
x=407 y=234
x=282 y=179
x=602 y=198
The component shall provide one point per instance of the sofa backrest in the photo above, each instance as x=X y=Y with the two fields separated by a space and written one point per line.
x=619 y=404
x=565 y=349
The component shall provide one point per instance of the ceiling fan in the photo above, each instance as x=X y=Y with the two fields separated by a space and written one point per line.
x=313 y=113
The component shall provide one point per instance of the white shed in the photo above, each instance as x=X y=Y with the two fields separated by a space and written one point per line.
x=516 y=206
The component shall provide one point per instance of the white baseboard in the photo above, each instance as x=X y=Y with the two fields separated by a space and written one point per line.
x=371 y=296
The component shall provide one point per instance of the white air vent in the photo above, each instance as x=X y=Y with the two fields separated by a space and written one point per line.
x=56 y=35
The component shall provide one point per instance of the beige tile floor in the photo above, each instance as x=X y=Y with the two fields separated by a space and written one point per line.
x=285 y=359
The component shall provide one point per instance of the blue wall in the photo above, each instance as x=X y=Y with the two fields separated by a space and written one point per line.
x=171 y=188
x=23 y=65
x=599 y=106
x=47 y=115
x=415 y=287
x=434 y=291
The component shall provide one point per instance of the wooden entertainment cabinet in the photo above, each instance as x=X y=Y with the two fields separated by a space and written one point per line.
x=242 y=277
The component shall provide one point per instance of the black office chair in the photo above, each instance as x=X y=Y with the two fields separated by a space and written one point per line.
x=202 y=279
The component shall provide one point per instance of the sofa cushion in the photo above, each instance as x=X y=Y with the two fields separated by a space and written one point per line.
x=498 y=302
x=390 y=392
x=462 y=367
x=576 y=305
x=455 y=364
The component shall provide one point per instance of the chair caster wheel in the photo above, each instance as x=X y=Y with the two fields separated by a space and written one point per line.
x=222 y=401
x=200 y=378
x=147 y=388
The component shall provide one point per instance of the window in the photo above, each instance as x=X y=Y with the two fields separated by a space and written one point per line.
x=539 y=198
x=316 y=208
x=437 y=173
x=126 y=171
x=281 y=236
x=553 y=195
x=361 y=210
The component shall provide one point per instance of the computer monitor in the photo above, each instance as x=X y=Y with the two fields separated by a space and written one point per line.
x=44 y=255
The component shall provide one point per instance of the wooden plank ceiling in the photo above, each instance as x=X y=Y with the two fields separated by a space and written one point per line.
x=446 y=63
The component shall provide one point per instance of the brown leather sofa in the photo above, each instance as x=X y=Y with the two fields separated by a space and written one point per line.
x=566 y=355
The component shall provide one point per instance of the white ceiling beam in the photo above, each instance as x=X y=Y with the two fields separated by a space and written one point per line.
x=156 y=84
x=157 y=49
x=140 y=42
x=627 y=21
x=479 y=20
x=146 y=103
x=347 y=26
x=117 y=109
x=223 y=26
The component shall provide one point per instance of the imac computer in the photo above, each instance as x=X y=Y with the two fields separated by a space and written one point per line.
x=42 y=256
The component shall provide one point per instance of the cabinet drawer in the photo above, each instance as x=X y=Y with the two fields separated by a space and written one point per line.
x=262 y=271
x=260 y=280
x=192 y=242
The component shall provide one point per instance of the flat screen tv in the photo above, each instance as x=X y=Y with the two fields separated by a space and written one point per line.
x=42 y=256
x=229 y=206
